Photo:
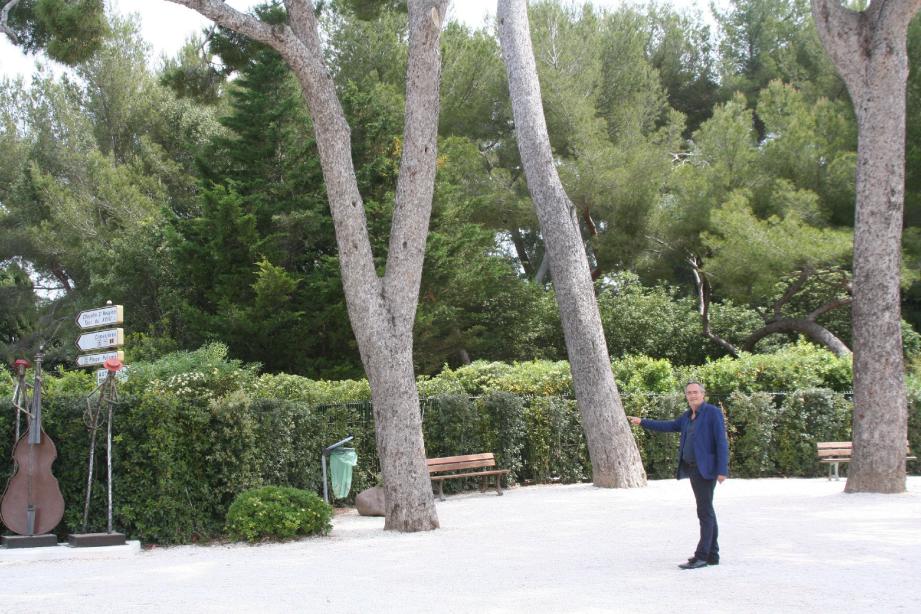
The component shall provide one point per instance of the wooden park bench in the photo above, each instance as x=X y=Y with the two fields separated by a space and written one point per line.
x=835 y=452
x=461 y=466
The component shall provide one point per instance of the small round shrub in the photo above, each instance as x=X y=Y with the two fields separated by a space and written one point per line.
x=277 y=512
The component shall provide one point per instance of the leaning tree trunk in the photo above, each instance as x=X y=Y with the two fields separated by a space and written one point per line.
x=615 y=458
x=381 y=310
x=869 y=50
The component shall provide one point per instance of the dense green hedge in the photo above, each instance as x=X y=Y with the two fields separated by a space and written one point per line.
x=193 y=430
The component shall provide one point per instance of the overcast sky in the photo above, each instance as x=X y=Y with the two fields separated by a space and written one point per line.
x=166 y=26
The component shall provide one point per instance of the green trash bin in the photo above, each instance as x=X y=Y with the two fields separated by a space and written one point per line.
x=341 y=461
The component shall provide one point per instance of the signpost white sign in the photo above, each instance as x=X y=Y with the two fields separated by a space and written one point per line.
x=110 y=338
x=90 y=360
x=104 y=316
x=101 y=375
x=97 y=340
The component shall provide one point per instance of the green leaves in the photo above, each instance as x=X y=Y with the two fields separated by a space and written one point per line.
x=751 y=254
x=70 y=31
x=277 y=513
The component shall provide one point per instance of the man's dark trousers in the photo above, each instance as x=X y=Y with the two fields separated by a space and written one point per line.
x=707 y=548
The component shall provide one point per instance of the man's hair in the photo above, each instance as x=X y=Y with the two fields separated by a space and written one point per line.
x=692 y=382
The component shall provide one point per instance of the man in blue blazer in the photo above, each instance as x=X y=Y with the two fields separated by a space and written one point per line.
x=703 y=456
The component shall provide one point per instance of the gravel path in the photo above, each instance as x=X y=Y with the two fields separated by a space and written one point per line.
x=787 y=545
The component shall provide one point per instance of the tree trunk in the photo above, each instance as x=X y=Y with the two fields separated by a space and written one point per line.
x=522 y=252
x=541 y=276
x=612 y=448
x=381 y=310
x=869 y=50
x=408 y=501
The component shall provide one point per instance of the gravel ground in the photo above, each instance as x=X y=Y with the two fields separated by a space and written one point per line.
x=787 y=545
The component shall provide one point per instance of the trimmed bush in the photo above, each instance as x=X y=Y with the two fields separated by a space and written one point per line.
x=474 y=378
x=914 y=421
x=503 y=430
x=807 y=417
x=641 y=374
x=451 y=426
x=277 y=513
x=750 y=424
x=793 y=367
x=555 y=448
x=659 y=451
x=315 y=392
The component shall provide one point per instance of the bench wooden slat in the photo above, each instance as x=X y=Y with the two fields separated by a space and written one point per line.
x=834 y=444
x=459 y=466
x=464 y=457
x=834 y=452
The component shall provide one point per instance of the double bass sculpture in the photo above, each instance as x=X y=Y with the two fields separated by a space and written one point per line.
x=32 y=503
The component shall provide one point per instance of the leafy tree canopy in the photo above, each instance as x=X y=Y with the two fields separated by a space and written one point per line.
x=69 y=31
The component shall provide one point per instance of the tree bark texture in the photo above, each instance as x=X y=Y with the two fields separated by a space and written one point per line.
x=381 y=309
x=869 y=50
x=615 y=458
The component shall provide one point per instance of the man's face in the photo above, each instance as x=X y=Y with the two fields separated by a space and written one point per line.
x=694 y=395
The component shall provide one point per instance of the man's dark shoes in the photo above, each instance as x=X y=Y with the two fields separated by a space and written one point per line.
x=711 y=560
x=693 y=563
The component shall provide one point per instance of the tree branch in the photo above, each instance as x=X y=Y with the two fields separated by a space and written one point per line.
x=523 y=257
x=829 y=306
x=58 y=272
x=301 y=18
x=703 y=305
x=815 y=332
x=224 y=15
x=834 y=21
x=4 y=21
x=589 y=222
x=795 y=286
x=894 y=15
x=416 y=182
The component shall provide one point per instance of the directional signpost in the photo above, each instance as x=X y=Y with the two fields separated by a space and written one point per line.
x=101 y=339
x=104 y=316
x=108 y=339
x=91 y=360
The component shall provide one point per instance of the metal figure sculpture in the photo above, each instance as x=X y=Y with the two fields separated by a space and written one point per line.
x=94 y=418
x=20 y=394
x=32 y=502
